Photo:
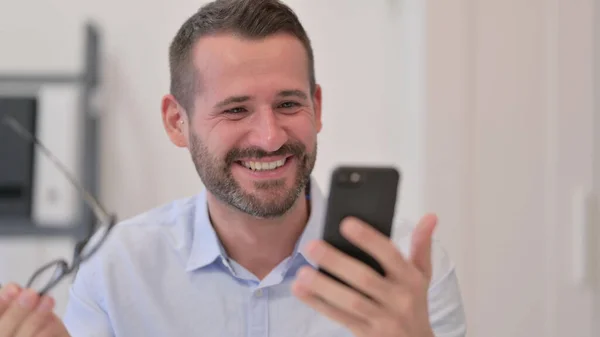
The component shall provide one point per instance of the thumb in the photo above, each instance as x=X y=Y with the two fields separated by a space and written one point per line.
x=420 y=254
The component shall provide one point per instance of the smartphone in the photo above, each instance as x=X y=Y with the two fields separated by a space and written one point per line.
x=365 y=192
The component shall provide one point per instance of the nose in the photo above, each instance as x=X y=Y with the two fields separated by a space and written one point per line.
x=268 y=132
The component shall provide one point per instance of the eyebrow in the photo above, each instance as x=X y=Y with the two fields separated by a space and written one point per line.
x=241 y=99
x=293 y=93
x=232 y=99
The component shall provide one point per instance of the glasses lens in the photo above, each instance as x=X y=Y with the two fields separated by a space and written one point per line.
x=47 y=275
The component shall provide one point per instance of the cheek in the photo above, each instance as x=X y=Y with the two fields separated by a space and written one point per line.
x=224 y=136
x=304 y=128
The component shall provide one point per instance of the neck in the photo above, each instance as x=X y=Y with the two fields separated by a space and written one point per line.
x=257 y=244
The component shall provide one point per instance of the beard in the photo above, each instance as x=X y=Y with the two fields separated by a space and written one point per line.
x=276 y=199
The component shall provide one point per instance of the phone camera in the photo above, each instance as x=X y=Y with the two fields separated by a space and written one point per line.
x=349 y=179
x=355 y=177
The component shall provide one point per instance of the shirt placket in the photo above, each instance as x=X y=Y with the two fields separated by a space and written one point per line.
x=258 y=320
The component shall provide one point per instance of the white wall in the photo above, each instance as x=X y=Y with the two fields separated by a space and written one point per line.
x=509 y=141
x=372 y=95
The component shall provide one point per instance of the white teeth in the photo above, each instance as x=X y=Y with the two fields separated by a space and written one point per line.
x=263 y=166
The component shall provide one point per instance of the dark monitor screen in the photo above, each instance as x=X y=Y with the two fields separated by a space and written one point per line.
x=16 y=159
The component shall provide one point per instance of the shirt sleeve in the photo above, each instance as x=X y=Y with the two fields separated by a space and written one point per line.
x=84 y=318
x=85 y=315
x=446 y=311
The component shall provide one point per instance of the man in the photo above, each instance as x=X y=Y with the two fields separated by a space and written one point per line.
x=239 y=258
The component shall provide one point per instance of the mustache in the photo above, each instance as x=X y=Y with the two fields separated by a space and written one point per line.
x=294 y=149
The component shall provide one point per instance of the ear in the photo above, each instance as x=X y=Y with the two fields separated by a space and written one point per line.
x=318 y=102
x=175 y=121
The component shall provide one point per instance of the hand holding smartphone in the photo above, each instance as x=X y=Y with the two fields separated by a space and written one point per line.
x=368 y=193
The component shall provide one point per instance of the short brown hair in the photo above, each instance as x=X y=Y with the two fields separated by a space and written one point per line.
x=251 y=19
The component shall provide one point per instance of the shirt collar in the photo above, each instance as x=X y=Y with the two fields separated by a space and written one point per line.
x=316 y=219
x=206 y=246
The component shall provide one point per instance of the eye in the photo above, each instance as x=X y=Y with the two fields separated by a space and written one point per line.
x=235 y=111
x=288 y=105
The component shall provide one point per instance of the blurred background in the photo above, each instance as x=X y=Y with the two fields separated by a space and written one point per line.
x=489 y=108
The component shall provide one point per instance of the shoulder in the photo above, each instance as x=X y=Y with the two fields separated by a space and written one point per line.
x=167 y=223
x=161 y=230
x=132 y=249
x=104 y=282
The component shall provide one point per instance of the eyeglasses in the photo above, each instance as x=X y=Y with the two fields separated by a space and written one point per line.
x=50 y=274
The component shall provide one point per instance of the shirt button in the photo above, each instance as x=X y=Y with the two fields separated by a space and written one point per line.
x=258 y=293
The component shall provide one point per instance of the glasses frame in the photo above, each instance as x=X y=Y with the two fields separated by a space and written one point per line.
x=62 y=268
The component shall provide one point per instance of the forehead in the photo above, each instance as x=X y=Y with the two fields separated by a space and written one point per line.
x=229 y=64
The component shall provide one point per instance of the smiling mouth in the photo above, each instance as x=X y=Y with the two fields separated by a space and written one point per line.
x=259 y=166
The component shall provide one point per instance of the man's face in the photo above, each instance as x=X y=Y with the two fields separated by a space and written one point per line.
x=253 y=131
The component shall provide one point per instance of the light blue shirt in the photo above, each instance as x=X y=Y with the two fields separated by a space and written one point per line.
x=164 y=273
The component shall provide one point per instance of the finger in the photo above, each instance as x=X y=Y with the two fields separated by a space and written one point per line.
x=17 y=312
x=54 y=328
x=8 y=294
x=358 y=326
x=338 y=295
x=420 y=254
x=379 y=246
x=354 y=272
x=38 y=319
